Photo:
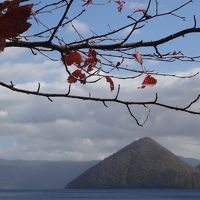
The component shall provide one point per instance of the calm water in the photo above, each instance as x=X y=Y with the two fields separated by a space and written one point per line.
x=99 y=194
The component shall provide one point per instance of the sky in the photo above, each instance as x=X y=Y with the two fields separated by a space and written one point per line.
x=33 y=128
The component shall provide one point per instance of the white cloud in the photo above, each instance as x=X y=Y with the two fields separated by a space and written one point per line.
x=79 y=26
x=30 y=72
x=3 y=114
x=129 y=29
x=136 y=5
x=67 y=129
x=12 y=53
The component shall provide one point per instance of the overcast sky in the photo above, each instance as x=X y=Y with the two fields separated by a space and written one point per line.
x=35 y=128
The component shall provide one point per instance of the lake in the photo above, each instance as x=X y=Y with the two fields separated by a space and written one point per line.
x=109 y=194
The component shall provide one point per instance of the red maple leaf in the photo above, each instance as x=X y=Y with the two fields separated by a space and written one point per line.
x=9 y=4
x=92 y=53
x=77 y=75
x=91 y=61
x=2 y=43
x=148 y=81
x=73 y=57
x=12 y=3
x=14 y=21
x=71 y=79
x=110 y=81
x=120 y=5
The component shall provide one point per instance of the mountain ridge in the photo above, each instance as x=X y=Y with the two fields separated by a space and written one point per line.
x=141 y=164
x=32 y=174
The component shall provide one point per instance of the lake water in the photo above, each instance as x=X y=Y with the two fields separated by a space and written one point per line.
x=109 y=194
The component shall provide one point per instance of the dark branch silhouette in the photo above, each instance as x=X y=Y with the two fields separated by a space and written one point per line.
x=94 y=55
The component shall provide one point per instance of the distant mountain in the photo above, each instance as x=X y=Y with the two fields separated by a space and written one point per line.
x=191 y=161
x=21 y=174
x=198 y=167
x=142 y=164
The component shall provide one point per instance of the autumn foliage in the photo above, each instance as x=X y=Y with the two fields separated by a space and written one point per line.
x=73 y=57
x=111 y=54
x=85 y=65
x=13 y=20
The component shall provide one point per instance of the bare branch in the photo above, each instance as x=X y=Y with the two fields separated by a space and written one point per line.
x=104 y=54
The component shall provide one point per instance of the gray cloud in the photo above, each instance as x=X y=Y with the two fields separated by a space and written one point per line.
x=35 y=128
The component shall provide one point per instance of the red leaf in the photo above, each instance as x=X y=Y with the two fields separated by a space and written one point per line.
x=120 y=5
x=9 y=4
x=71 y=79
x=14 y=21
x=140 y=10
x=110 y=81
x=74 y=57
x=92 y=53
x=90 y=68
x=4 y=5
x=138 y=57
x=77 y=75
x=2 y=43
x=149 y=81
x=91 y=61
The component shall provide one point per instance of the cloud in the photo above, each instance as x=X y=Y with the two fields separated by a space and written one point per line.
x=3 y=114
x=67 y=129
x=80 y=27
x=136 y=5
x=12 y=53
x=126 y=31
x=29 y=71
